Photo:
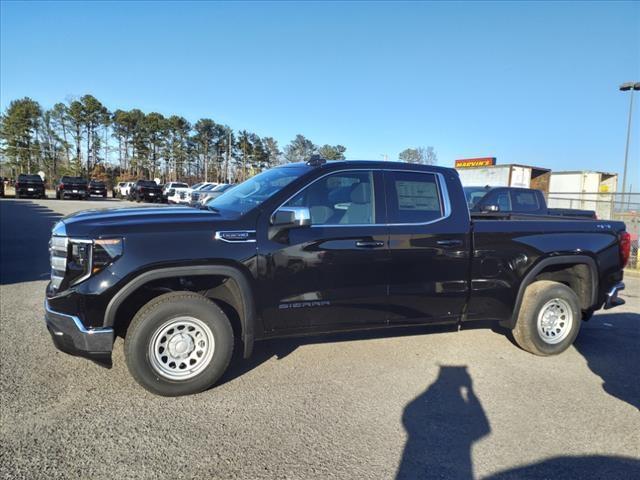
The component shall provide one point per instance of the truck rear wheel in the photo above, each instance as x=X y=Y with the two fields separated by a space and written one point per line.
x=549 y=318
x=178 y=344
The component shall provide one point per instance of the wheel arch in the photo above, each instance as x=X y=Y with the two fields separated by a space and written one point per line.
x=568 y=261
x=246 y=312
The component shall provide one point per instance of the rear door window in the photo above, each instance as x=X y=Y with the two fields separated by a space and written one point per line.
x=413 y=197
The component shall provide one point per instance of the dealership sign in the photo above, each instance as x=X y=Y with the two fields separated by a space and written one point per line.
x=476 y=162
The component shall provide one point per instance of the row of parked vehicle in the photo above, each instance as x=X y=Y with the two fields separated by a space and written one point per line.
x=32 y=186
x=171 y=192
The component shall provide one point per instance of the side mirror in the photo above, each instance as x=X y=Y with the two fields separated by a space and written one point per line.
x=490 y=208
x=291 y=217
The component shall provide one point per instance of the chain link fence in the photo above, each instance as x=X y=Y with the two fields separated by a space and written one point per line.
x=608 y=206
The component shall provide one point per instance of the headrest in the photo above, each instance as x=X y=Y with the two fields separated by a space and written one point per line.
x=361 y=193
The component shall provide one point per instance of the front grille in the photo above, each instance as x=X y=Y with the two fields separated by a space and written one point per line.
x=195 y=196
x=59 y=249
x=183 y=195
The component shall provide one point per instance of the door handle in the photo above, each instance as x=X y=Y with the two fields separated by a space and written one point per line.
x=449 y=243
x=369 y=244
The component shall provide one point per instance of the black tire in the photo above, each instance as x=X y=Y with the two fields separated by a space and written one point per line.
x=587 y=314
x=537 y=296
x=152 y=317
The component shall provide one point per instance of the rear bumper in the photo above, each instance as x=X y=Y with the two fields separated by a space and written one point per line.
x=612 y=299
x=147 y=197
x=71 y=336
x=36 y=192
x=71 y=193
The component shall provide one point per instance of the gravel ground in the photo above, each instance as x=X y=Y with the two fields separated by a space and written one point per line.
x=418 y=403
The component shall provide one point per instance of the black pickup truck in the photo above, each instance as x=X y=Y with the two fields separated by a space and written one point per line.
x=72 y=187
x=98 y=188
x=317 y=247
x=525 y=201
x=145 y=191
x=28 y=185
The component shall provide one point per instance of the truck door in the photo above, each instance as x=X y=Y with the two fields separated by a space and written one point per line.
x=331 y=274
x=429 y=247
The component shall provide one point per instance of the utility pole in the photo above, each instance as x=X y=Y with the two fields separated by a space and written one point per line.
x=226 y=163
x=625 y=87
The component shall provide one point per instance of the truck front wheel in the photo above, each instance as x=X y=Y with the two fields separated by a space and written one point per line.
x=178 y=344
x=549 y=318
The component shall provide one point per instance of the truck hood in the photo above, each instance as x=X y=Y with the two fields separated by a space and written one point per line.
x=120 y=221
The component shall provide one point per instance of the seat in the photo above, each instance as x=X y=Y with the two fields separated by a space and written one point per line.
x=360 y=211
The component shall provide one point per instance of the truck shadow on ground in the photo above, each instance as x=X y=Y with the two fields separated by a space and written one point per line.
x=24 y=248
x=610 y=343
x=280 y=348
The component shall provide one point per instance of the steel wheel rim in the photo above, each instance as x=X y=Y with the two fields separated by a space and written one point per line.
x=181 y=348
x=555 y=320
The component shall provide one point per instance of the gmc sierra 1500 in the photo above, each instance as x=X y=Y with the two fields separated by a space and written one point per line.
x=317 y=247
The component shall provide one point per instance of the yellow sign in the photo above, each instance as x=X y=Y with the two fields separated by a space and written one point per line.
x=475 y=162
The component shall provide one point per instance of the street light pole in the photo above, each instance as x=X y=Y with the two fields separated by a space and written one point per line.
x=624 y=88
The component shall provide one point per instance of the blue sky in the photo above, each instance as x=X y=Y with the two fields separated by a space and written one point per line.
x=531 y=83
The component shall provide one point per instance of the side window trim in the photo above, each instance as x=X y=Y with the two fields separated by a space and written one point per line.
x=381 y=192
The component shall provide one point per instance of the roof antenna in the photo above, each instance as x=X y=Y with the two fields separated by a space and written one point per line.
x=316 y=160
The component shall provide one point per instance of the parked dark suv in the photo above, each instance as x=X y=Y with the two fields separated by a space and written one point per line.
x=29 y=185
x=318 y=247
x=72 y=187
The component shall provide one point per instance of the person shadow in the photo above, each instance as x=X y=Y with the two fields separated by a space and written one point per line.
x=442 y=424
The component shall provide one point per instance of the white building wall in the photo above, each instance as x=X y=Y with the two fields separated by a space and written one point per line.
x=583 y=190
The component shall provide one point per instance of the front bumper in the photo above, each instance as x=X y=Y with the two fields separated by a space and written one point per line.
x=71 y=336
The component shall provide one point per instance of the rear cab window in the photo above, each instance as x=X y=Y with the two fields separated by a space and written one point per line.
x=24 y=177
x=72 y=180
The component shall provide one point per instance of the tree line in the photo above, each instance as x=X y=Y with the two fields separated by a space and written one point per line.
x=82 y=137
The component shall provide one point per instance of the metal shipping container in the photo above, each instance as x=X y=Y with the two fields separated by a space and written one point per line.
x=585 y=190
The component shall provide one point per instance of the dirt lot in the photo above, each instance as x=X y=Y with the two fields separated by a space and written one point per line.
x=418 y=403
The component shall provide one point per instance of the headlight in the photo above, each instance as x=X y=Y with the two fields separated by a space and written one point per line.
x=90 y=257
x=105 y=252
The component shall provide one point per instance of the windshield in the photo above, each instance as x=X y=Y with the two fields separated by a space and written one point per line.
x=179 y=185
x=475 y=194
x=256 y=190
x=207 y=188
x=222 y=187
x=147 y=183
